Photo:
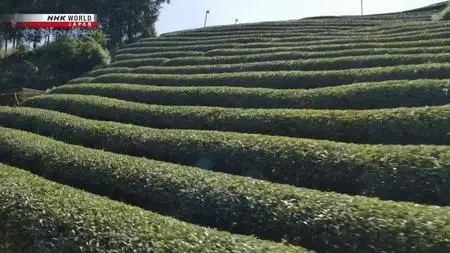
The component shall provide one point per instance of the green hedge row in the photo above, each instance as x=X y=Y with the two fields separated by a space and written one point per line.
x=123 y=57
x=107 y=70
x=427 y=36
x=384 y=35
x=37 y=215
x=349 y=22
x=202 y=48
x=296 y=32
x=160 y=41
x=416 y=173
x=80 y=80
x=403 y=16
x=243 y=51
x=289 y=55
x=170 y=41
x=418 y=125
x=336 y=23
x=423 y=16
x=320 y=64
x=236 y=204
x=254 y=34
x=267 y=27
x=139 y=62
x=140 y=47
x=396 y=15
x=286 y=79
x=315 y=38
x=374 y=26
x=239 y=36
x=379 y=30
x=386 y=94
x=309 y=30
x=295 y=55
x=311 y=39
x=289 y=28
x=399 y=27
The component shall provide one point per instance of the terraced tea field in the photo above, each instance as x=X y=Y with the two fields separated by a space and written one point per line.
x=325 y=134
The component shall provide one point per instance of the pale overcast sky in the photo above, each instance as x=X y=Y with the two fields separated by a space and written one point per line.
x=186 y=14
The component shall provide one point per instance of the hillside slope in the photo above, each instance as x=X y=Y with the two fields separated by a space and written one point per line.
x=329 y=134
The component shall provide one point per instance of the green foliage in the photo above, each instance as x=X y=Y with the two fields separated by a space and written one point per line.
x=203 y=48
x=377 y=62
x=127 y=20
x=388 y=94
x=344 y=23
x=416 y=172
x=106 y=70
x=361 y=41
x=291 y=55
x=121 y=21
x=311 y=48
x=398 y=27
x=307 y=39
x=80 y=80
x=280 y=33
x=172 y=54
x=75 y=56
x=421 y=125
x=139 y=62
x=162 y=41
x=439 y=32
x=341 y=24
x=298 y=29
x=53 y=64
x=241 y=205
x=99 y=36
x=38 y=215
x=338 y=63
x=285 y=79
x=386 y=36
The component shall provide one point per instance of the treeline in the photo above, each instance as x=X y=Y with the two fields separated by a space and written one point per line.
x=122 y=20
x=53 y=64
x=59 y=55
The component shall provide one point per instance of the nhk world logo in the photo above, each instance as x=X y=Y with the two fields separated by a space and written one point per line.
x=50 y=20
